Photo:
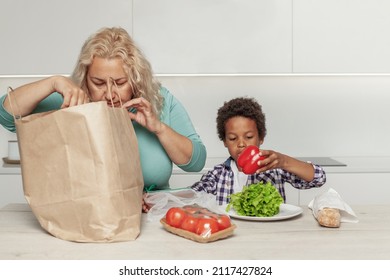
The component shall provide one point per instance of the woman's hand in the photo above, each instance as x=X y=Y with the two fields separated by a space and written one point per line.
x=177 y=146
x=145 y=206
x=28 y=96
x=144 y=114
x=73 y=95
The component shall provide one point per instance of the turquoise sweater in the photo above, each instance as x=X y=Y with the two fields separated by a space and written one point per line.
x=156 y=165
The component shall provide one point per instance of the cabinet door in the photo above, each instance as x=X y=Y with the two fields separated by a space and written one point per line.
x=292 y=195
x=341 y=36
x=184 y=180
x=68 y=23
x=354 y=188
x=11 y=190
x=194 y=36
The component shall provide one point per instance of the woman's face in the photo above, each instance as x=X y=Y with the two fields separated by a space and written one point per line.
x=107 y=81
x=240 y=133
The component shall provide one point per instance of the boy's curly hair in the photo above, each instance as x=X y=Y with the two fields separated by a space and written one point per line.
x=243 y=107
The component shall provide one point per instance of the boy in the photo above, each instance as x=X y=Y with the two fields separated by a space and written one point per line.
x=240 y=123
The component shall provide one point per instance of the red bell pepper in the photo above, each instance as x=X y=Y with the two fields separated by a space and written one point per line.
x=249 y=158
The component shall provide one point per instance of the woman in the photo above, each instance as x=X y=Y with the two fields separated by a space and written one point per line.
x=111 y=68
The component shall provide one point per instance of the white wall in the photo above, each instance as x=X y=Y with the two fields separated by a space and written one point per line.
x=341 y=36
x=45 y=36
x=306 y=115
x=203 y=37
x=247 y=47
x=320 y=69
x=218 y=36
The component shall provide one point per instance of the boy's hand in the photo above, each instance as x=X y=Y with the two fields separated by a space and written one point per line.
x=272 y=160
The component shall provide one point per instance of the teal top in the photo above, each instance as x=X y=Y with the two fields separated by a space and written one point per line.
x=155 y=163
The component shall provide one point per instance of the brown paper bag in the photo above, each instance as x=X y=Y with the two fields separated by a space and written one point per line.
x=81 y=172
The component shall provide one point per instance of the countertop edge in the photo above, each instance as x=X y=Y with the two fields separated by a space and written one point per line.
x=364 y=164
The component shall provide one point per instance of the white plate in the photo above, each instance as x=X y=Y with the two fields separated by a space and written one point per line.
x=286 y=211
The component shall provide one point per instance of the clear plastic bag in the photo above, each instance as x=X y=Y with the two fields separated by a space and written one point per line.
x=161 y=201
x=332 y=200
x=198 y=223
x=203 y=220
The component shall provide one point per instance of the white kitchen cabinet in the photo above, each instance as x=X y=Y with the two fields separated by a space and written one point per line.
x=47 y=35
x=11 y=189
x=341 y=36
x=365 y=180
x=207 y=37
x=228 y=36
x=354 y=188
x=183 y=180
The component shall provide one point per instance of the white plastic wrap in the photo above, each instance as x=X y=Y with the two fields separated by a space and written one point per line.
x=331 y=199
x=161 y=201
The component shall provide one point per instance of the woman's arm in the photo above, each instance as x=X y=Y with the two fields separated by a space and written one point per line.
x=180 y=122
x=174 y=131
x=177 y=146
x=26 y=98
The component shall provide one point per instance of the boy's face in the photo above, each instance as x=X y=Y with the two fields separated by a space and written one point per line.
x=240 y=133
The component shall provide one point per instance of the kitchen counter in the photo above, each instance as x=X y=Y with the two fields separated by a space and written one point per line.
x=350 y=180
x=301 y=238
x=352 y=165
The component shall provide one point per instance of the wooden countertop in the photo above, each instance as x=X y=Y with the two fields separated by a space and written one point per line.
x=300 y=238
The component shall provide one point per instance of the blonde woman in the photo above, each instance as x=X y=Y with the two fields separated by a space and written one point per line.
x=111 y=68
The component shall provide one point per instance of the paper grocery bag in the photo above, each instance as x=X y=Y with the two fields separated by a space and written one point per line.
x=81 y=172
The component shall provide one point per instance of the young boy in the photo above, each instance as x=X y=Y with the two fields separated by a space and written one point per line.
x=240 y=123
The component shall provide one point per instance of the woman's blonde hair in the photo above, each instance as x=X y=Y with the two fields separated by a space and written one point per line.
x=116 y=42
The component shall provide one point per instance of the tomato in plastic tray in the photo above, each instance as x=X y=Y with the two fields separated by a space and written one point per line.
x=197 y=223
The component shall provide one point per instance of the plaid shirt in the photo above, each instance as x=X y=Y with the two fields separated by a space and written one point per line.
x=220 y=180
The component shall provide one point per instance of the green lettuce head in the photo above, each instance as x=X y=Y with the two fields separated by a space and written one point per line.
x=256 y=200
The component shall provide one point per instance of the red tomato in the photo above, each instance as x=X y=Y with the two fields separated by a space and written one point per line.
x=223 y=222
x=175 y=216
x=189 y=223
x=206 y=227
x=249 y=158
x=192 y=209
x=208 y=214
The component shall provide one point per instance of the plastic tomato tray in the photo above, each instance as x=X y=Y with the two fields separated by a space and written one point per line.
x=199 y=238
